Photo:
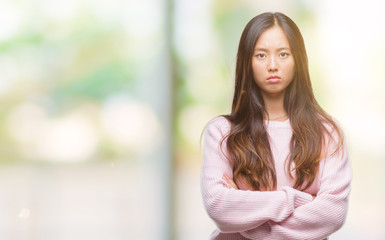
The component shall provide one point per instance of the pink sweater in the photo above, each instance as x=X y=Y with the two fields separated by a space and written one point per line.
x=286 y=213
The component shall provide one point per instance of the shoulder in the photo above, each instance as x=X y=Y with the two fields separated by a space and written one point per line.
x=218 y=124
x=333 y=129
x=333 y=137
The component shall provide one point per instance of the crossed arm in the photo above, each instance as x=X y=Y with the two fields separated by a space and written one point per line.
x=283 y=214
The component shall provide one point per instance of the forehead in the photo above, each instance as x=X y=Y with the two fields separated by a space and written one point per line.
x=273 y=37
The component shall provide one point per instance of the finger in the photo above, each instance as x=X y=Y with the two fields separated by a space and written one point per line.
x=225 y=184
x=224 y=177
x=227 y=179
x=231 y=183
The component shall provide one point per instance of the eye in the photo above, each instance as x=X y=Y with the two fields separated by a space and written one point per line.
x=261 y=56
x=284 y=54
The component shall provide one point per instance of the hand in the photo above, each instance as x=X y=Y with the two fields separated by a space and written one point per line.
x=229 y=181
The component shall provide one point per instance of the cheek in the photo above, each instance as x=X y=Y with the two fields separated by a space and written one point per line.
x=257 y=71
x=290 y=70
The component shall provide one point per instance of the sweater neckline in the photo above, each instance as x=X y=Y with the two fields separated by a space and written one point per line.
x=283 y=124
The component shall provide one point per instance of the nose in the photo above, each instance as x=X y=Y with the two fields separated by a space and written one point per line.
x=272 y=65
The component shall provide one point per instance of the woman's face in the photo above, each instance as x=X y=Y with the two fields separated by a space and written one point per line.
x=273 y=63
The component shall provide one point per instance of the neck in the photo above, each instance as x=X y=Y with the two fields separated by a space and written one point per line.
x=274 y=107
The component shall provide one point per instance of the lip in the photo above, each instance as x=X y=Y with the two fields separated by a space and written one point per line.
x=273 y=79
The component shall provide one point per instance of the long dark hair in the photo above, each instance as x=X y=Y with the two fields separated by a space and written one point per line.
x=247 y=142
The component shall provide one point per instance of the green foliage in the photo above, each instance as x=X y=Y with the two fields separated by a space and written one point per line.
x=98 y=84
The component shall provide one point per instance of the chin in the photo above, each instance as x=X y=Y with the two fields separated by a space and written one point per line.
x=274 y=93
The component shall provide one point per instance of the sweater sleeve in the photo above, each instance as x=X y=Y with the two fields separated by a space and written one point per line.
x=319 y=218
x=237 y=210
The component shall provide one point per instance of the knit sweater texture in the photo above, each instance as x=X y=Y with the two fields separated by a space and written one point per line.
x=283 y=214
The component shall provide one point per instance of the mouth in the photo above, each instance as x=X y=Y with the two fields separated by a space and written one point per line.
x=273 y=79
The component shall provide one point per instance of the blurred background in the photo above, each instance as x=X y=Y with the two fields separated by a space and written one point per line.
x=102 y=105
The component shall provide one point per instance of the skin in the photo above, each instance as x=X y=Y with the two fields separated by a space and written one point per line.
x=272 y=57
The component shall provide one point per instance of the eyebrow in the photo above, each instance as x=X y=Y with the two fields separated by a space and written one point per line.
x=266 y=50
